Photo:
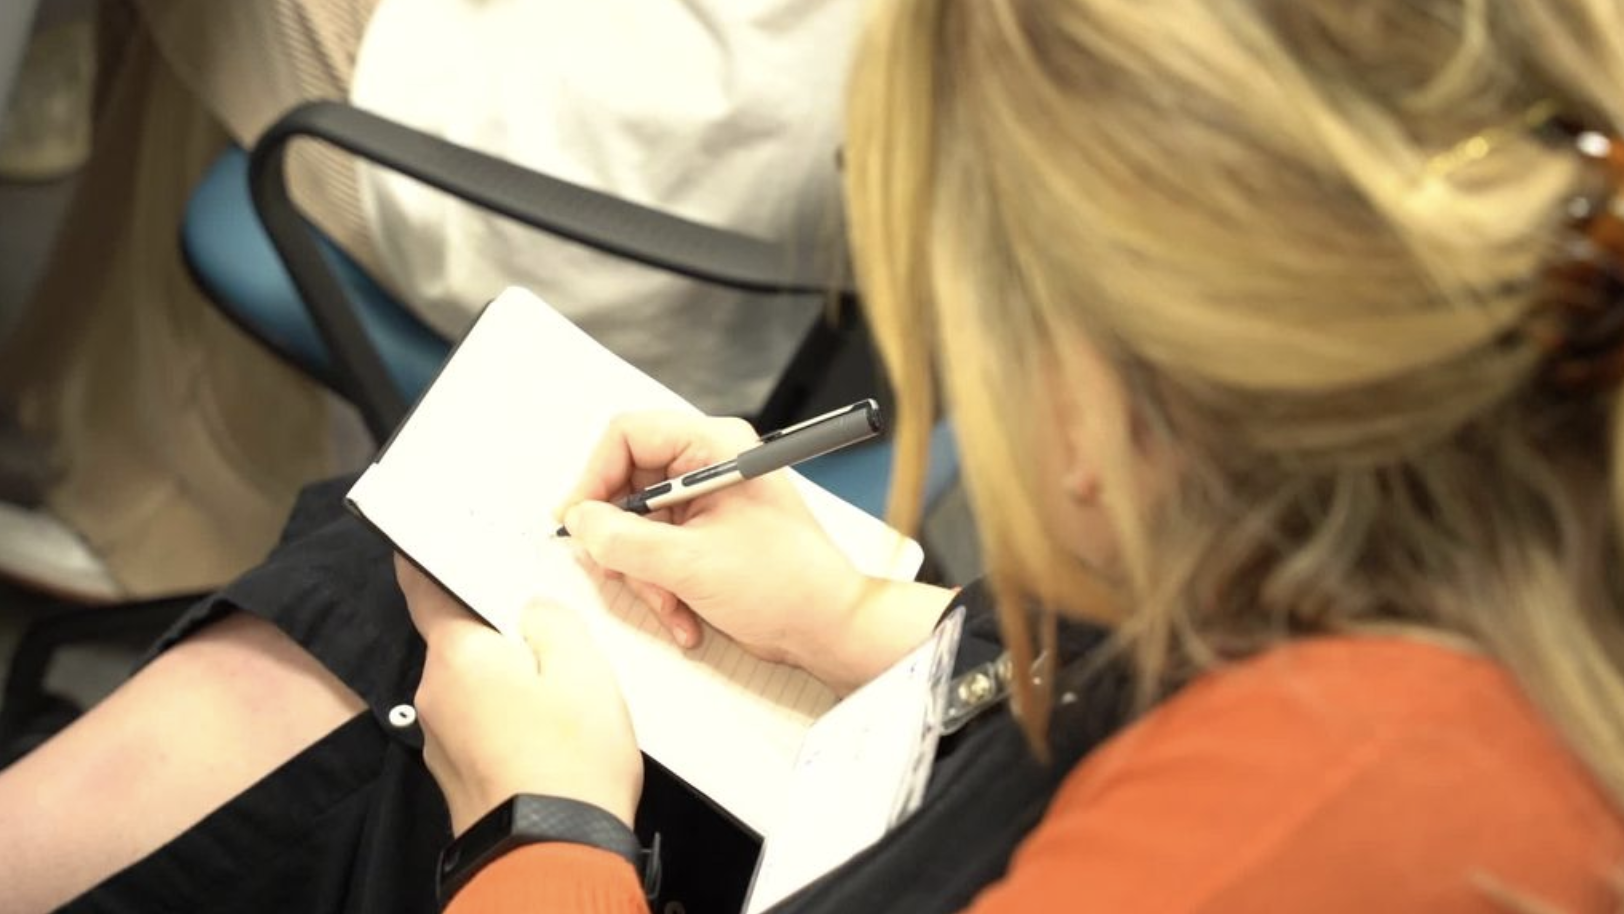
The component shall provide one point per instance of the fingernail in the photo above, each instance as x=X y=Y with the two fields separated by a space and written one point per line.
x=685 y=635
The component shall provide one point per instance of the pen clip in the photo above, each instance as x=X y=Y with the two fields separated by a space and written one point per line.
x=868 y=406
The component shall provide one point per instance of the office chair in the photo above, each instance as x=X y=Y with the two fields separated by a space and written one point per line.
x=300 y=296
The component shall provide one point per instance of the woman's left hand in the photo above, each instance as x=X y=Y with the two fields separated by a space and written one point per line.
x=501 y=718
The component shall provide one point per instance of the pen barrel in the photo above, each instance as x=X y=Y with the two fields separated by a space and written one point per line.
x=804 y=444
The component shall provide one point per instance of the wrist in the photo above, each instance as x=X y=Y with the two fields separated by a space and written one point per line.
x=535 y=819
x=834 y=623
x=879 y=622
x=472 y=797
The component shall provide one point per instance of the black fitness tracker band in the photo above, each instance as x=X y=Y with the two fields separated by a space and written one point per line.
x=532 y=819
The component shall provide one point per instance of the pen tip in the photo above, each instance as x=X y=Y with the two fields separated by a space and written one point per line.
x=560 y=533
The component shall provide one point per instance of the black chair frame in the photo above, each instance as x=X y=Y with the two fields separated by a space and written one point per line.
x=588 y=217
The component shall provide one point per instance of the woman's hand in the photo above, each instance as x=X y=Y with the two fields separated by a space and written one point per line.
x=501 y=718
x=750 y=559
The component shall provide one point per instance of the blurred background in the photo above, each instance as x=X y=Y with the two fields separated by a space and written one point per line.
x=163 y=392
x=47 y=87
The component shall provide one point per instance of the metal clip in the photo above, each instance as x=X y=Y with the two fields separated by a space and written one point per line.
x=979 y=688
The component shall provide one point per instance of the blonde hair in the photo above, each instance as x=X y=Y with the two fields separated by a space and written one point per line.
x=1231 y=200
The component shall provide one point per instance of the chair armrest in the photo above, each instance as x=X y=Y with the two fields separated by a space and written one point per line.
x=594 y=219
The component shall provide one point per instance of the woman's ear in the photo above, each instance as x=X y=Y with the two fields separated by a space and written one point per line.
x=1078 y=463
x=1081 y=483
x=1089 y=411
x=1078 y=510
x=1087 y=406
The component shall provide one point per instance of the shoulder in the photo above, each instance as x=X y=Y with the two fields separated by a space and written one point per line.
x=1342 y=773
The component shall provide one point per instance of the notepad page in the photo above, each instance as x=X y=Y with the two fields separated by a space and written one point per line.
x=469 y=487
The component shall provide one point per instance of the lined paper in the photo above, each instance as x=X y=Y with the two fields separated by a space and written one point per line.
x=862 y=768
x=469 y=487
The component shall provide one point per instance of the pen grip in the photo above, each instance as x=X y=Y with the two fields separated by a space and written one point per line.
x=858 y=425
x=639 y=502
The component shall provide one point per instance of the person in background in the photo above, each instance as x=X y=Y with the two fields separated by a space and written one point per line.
x=1283 y=340
x=725 y=112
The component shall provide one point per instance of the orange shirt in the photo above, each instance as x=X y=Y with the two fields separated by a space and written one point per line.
x=1340 y=774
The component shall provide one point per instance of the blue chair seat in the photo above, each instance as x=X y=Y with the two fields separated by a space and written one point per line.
x=231 y=257
x=862 y=475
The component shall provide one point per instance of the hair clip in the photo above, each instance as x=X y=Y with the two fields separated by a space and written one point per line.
x=1579 y=320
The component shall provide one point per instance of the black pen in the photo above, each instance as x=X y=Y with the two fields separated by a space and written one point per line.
x=784 y=448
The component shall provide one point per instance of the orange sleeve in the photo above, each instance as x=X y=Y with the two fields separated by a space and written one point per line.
x=553 y=876
x=1355 y=775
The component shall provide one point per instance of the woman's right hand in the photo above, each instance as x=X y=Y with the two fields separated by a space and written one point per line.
x=750 y=559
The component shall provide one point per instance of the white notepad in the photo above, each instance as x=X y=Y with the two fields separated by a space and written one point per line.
x=467 y=489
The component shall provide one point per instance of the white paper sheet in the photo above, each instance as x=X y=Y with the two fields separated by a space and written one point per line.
x=468 y=489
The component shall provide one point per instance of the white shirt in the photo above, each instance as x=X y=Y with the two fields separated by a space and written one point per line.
x=726 y=112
